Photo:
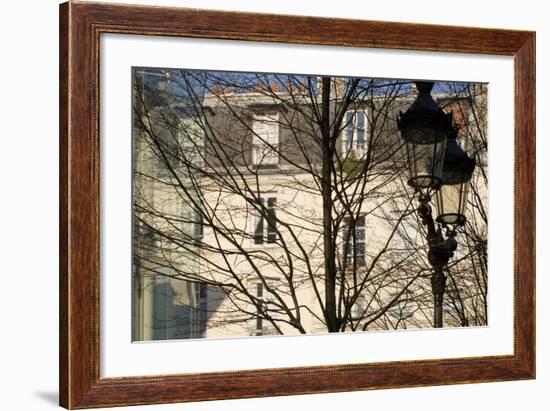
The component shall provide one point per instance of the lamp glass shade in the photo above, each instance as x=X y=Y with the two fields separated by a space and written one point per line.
x=424 y=128
x=456 y=174
x=425 y=162
x=451 y=203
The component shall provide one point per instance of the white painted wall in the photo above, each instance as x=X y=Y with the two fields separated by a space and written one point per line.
x=28 y=232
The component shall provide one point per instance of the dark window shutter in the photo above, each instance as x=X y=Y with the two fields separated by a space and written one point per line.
x=271 y=220
x=259 y=319
x=259 y=225
x=361 y=128
x=198 y=227
x=347 y=240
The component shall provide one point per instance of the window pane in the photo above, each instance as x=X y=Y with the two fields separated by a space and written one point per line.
x=349 y=125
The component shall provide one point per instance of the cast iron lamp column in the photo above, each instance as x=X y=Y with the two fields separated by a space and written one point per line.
x=439 y=253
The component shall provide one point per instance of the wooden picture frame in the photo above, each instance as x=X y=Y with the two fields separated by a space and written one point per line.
x=80 y=27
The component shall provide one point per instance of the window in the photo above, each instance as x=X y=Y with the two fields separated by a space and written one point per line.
x=353 y=241
x=265 y=221
x=201 y=296
x=198 y=228
x=353 y=142
x=259 y=319
x=145 y=235
x=191 y=143
x=259 y=323
x=265 y=151
x=165 y=144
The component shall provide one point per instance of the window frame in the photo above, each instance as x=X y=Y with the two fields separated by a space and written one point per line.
x=270 y=118
x=355 y=149
x=347 y=258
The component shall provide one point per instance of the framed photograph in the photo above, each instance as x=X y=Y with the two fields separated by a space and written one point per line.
x=259 y=205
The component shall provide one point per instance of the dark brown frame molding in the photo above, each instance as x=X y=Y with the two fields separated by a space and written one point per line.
x=80 y=27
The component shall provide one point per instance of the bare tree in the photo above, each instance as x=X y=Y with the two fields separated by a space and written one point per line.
x=263 y=187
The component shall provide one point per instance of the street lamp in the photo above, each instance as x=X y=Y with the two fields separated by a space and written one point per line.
x=436 y=164
x=424 y=128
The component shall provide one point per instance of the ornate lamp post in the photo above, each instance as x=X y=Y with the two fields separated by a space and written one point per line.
x=437 y=165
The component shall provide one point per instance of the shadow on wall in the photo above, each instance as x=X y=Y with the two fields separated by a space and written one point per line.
x=182 y=309
x=51 y=397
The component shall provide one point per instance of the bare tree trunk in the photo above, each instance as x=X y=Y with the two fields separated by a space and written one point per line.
x=326 y=194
